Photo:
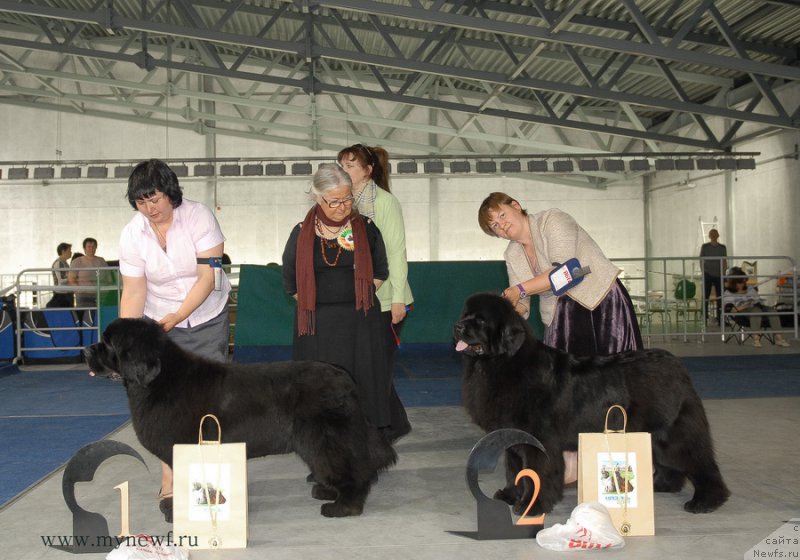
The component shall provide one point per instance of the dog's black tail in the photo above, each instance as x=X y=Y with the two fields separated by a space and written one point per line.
x=382 y=454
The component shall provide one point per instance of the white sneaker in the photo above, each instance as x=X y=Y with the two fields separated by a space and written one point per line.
x=782 y=342
x=757 y=342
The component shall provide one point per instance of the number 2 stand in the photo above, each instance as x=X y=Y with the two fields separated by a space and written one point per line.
x=494 y=516
x=93 y=526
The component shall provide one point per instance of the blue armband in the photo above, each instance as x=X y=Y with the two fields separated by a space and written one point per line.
x=566 y=276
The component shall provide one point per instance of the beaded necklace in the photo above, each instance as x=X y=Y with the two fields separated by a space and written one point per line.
x=324 y=242
x=321 y=225
x=322 y=246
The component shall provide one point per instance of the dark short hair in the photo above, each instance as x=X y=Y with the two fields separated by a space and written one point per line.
x=63 y=247
x=492 y=203
x=88 y=240
x=735 y=276
x=151 y=176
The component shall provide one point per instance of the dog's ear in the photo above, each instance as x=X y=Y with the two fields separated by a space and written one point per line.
x=513 y=337
x=141 y=369
x=138 y=359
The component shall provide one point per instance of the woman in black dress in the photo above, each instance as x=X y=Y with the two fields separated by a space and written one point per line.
x=333 y=263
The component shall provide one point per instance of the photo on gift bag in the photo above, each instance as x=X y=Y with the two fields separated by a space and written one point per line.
x=201 y=497
x=216 y=478
x=616 y=476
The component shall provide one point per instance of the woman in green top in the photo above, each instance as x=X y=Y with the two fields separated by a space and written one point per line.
x=368 y=168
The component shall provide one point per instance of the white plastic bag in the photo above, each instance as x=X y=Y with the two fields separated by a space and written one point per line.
x=588 y=528
x=144 y=547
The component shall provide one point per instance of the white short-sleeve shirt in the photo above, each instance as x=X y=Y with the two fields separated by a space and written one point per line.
x=171 y=274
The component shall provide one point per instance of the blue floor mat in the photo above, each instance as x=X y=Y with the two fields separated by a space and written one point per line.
x=34 y=447
x=430 y=374
x=46 y=416
x=735 y=377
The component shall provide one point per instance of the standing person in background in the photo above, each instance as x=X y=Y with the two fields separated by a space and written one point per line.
x=60 y=268
x=333 y=263
x=713 y=265
x=164 y=254
x=368 y=168
x=86 y=277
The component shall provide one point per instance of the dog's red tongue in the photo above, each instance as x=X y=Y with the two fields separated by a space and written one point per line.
x=461 y=346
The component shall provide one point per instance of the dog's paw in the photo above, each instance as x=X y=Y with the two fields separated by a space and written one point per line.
x=537 y=508
x=326 y=493
x=706 y=504
x=336 y=509
x=506 y=495
x=697 y=506
x=165 y=506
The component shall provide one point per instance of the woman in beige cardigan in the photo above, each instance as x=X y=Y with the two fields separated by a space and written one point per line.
x=595 y=316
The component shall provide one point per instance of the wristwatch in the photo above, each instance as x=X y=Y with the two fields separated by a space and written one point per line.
x=522 y=293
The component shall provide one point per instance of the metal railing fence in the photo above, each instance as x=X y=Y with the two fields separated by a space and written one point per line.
x=662 y=310
x=33 y=288
x=667 y=311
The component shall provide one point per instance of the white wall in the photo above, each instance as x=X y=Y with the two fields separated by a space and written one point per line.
x=757 y=211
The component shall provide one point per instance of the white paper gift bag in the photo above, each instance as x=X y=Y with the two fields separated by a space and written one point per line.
x=615 y=468
x=210 y=492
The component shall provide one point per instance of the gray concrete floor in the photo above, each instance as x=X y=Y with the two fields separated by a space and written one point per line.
x=416 y=509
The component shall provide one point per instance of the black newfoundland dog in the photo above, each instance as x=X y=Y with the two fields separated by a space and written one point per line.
x=512 y=380
x=310 y=408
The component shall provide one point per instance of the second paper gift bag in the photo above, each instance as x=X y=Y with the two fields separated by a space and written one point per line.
x=615 y=468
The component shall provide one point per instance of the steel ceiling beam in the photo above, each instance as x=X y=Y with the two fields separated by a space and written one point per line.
x=435 y=69
x=526 y=31
x=314 y=76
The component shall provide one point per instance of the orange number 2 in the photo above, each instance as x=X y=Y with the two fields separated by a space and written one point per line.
x=523 y=520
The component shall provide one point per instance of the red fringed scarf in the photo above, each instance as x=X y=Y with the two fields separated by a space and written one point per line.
x=304 y=266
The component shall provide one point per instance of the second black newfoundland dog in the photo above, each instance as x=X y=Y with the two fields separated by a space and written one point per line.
x=310 y=408
x=512 y=380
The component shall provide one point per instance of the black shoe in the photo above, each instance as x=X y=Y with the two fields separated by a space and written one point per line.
x=165 y=506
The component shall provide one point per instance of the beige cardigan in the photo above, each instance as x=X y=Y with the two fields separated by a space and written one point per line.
x=557 y=237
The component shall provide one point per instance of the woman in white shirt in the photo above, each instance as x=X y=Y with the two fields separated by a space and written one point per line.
x=164 y=254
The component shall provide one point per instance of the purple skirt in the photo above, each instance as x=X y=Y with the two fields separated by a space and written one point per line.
x=610 y=328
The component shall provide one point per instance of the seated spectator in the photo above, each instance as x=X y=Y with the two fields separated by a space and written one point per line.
x=738 y=298
x=60 y=268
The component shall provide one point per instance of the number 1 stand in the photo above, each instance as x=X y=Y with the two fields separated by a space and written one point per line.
x=494 y=516
x=91 y=529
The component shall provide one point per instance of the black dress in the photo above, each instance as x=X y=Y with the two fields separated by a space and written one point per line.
x=344 y=335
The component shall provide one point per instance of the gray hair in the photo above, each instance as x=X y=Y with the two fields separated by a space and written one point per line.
x=329 y=176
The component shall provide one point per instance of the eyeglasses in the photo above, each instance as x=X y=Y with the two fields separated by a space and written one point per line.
x=337 y=203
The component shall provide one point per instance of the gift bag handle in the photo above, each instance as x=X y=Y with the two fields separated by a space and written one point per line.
x=200 y=439
x=624 y=420
x=625 y=528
